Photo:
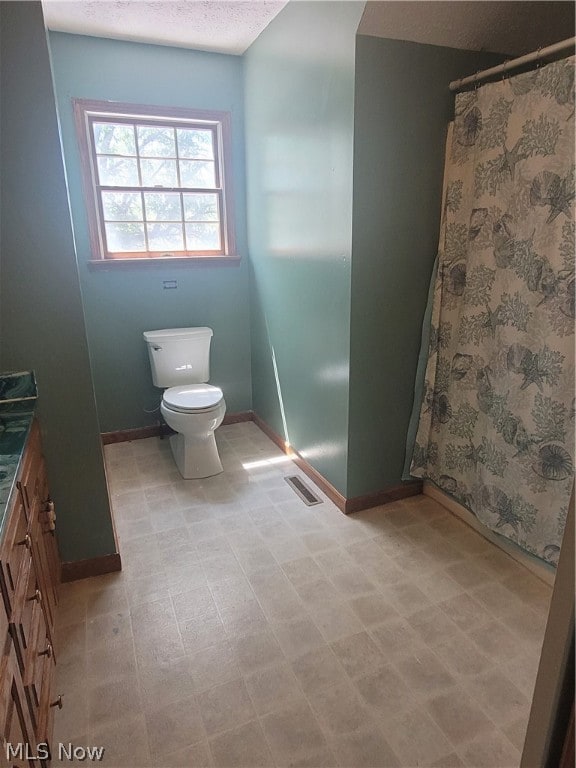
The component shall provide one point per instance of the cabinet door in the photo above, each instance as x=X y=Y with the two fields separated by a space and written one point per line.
x=47 y=533
x=28 y=599
x=48 y=704
x=19 y=746
x=39 y=671
x=41 y=566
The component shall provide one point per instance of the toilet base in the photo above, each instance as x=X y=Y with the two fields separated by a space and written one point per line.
x=196 y=457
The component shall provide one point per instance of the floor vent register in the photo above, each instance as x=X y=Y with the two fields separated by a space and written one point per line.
x=306 y=494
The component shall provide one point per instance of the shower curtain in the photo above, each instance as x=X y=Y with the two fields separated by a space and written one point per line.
x=496 y=427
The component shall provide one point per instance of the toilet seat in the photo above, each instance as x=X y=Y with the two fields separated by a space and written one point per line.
x=192 y=398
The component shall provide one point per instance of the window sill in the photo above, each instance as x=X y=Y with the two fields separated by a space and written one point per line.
x=190 y=261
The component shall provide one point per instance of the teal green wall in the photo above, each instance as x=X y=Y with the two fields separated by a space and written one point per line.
x=41 y=308
x=299 y=96
x=120 y=304
x=402 y=109
x=0 y=193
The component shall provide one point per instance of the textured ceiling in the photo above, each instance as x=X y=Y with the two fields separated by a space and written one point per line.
x=211 y=25
x=502 y=27
x=230 y=26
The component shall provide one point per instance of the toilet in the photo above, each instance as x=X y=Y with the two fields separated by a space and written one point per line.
x=180 y=363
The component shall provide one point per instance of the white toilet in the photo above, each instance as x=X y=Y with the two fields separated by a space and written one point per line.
x=180 y=362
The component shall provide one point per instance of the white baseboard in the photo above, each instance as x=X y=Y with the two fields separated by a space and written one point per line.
x=546 y=573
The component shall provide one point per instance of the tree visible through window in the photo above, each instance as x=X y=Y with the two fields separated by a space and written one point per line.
x=155 y=181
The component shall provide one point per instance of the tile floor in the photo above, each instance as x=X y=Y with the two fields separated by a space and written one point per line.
x=247 y=629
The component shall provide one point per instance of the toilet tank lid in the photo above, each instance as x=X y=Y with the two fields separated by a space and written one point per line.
x=176 y=333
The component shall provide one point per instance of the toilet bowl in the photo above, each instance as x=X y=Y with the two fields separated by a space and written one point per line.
x=194 y=412
x=180 y=364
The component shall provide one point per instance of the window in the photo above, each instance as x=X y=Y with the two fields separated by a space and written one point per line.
x=156 y=181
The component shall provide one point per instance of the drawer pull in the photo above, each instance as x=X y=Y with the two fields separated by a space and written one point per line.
x=26 y=542
x=50 y=515
x=58 y=703
x=36 y=596
x=47 y=652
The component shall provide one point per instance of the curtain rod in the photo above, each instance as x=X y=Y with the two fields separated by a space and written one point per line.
x=456 y=85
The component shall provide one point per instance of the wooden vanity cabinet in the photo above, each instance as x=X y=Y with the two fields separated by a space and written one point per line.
x=29 y=570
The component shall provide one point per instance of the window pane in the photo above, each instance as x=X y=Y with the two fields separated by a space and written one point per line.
x=159 y=173
x=162 y=206
x=116 y=171
x=114 y=139
x=122 y=206
x=195 y=144
x=165 y=237
x=203 y=237
x=156 y=141
x=201 y=207
x=197 y=173
x=125 y=237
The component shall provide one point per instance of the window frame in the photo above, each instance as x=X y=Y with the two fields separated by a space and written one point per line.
x=86 y=112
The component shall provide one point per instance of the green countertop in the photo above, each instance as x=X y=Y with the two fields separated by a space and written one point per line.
x=14 y=428
x=17 y=397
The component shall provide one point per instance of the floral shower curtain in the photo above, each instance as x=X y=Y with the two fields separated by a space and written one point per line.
x=496 y=427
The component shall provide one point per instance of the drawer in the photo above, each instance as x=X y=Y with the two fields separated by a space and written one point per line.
x=15 y=551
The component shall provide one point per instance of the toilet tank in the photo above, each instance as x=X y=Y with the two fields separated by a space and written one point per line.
x=179 y=356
